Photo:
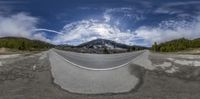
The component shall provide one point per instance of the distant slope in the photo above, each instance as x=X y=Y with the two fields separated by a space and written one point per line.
x=108 y=44
x=176 y=45
x=23 y=43
x=101 y=46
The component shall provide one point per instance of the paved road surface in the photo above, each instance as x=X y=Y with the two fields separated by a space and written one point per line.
x=89 y=81
x=98 y=61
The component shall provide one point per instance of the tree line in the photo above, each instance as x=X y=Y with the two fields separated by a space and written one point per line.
x=23 y=44
x=176 y=45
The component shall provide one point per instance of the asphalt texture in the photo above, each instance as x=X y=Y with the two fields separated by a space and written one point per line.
x=89 y=81
x=99 y=61
x=37 y=77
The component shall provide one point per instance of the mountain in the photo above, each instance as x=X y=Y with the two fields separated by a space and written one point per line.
x=108 y=44
x=100 y=46
x=20 y=43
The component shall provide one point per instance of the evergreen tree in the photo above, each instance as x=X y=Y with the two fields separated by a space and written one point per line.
x=105 y=51
x=23 y=44
x=176 y=45
x=155 y=46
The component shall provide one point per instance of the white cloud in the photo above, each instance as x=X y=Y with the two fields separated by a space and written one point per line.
x=171 y=8
x=17 y=25
x=47 y=30
x=24 y=25
x=182 y=3
x=123 y=13
x=170 y=30
x=20 y=25
x=86 y=30
x=168 y=10
x=41 y=36
x=107 y=17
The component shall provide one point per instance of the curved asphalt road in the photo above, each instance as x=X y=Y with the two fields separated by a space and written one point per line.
x=89 y=81
x=98 y=61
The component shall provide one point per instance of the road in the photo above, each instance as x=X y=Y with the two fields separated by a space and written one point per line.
x=98 y=61
x=150 y=76
x=89 y=81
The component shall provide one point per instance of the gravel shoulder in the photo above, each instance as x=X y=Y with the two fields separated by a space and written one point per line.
x=31 y=78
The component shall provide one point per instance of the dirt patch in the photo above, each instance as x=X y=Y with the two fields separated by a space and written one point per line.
x=3 y=50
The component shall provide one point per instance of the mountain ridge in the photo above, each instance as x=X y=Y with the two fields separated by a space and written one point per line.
x=109 y=44
x=94 y=46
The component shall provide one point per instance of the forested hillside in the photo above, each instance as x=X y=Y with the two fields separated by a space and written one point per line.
x=176 y=45
x=23 y=44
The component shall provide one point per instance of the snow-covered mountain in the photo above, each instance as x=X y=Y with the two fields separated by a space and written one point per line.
x=108 y=44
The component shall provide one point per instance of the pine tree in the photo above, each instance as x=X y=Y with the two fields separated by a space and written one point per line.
x=105 y=51
x=155 y=47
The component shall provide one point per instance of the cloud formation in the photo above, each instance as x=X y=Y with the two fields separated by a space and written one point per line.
x=180 y=8
x=17 y=25
x=169 y=30
x=123 y=13
x=111 y=27
x=86 y=30
x=20 y=25
x=47 y=30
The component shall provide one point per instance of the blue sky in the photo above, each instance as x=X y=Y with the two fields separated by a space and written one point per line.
x=134 y=22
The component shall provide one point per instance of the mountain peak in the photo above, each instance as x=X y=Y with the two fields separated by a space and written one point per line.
x=103 y=43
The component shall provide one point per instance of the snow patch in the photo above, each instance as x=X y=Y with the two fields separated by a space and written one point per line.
x=167 y=66
x=164 y=65
x=109 y=46
x=34 y=67
x=196 y=63
x=9 y=56
x=172 y=70
x=185 y=62
x=43 y=56
x=170 y=59
x=189 y=56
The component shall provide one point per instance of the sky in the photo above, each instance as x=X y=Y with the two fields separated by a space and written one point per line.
x=133 y=22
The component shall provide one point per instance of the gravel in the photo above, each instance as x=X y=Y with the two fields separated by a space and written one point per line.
x=18 y=80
